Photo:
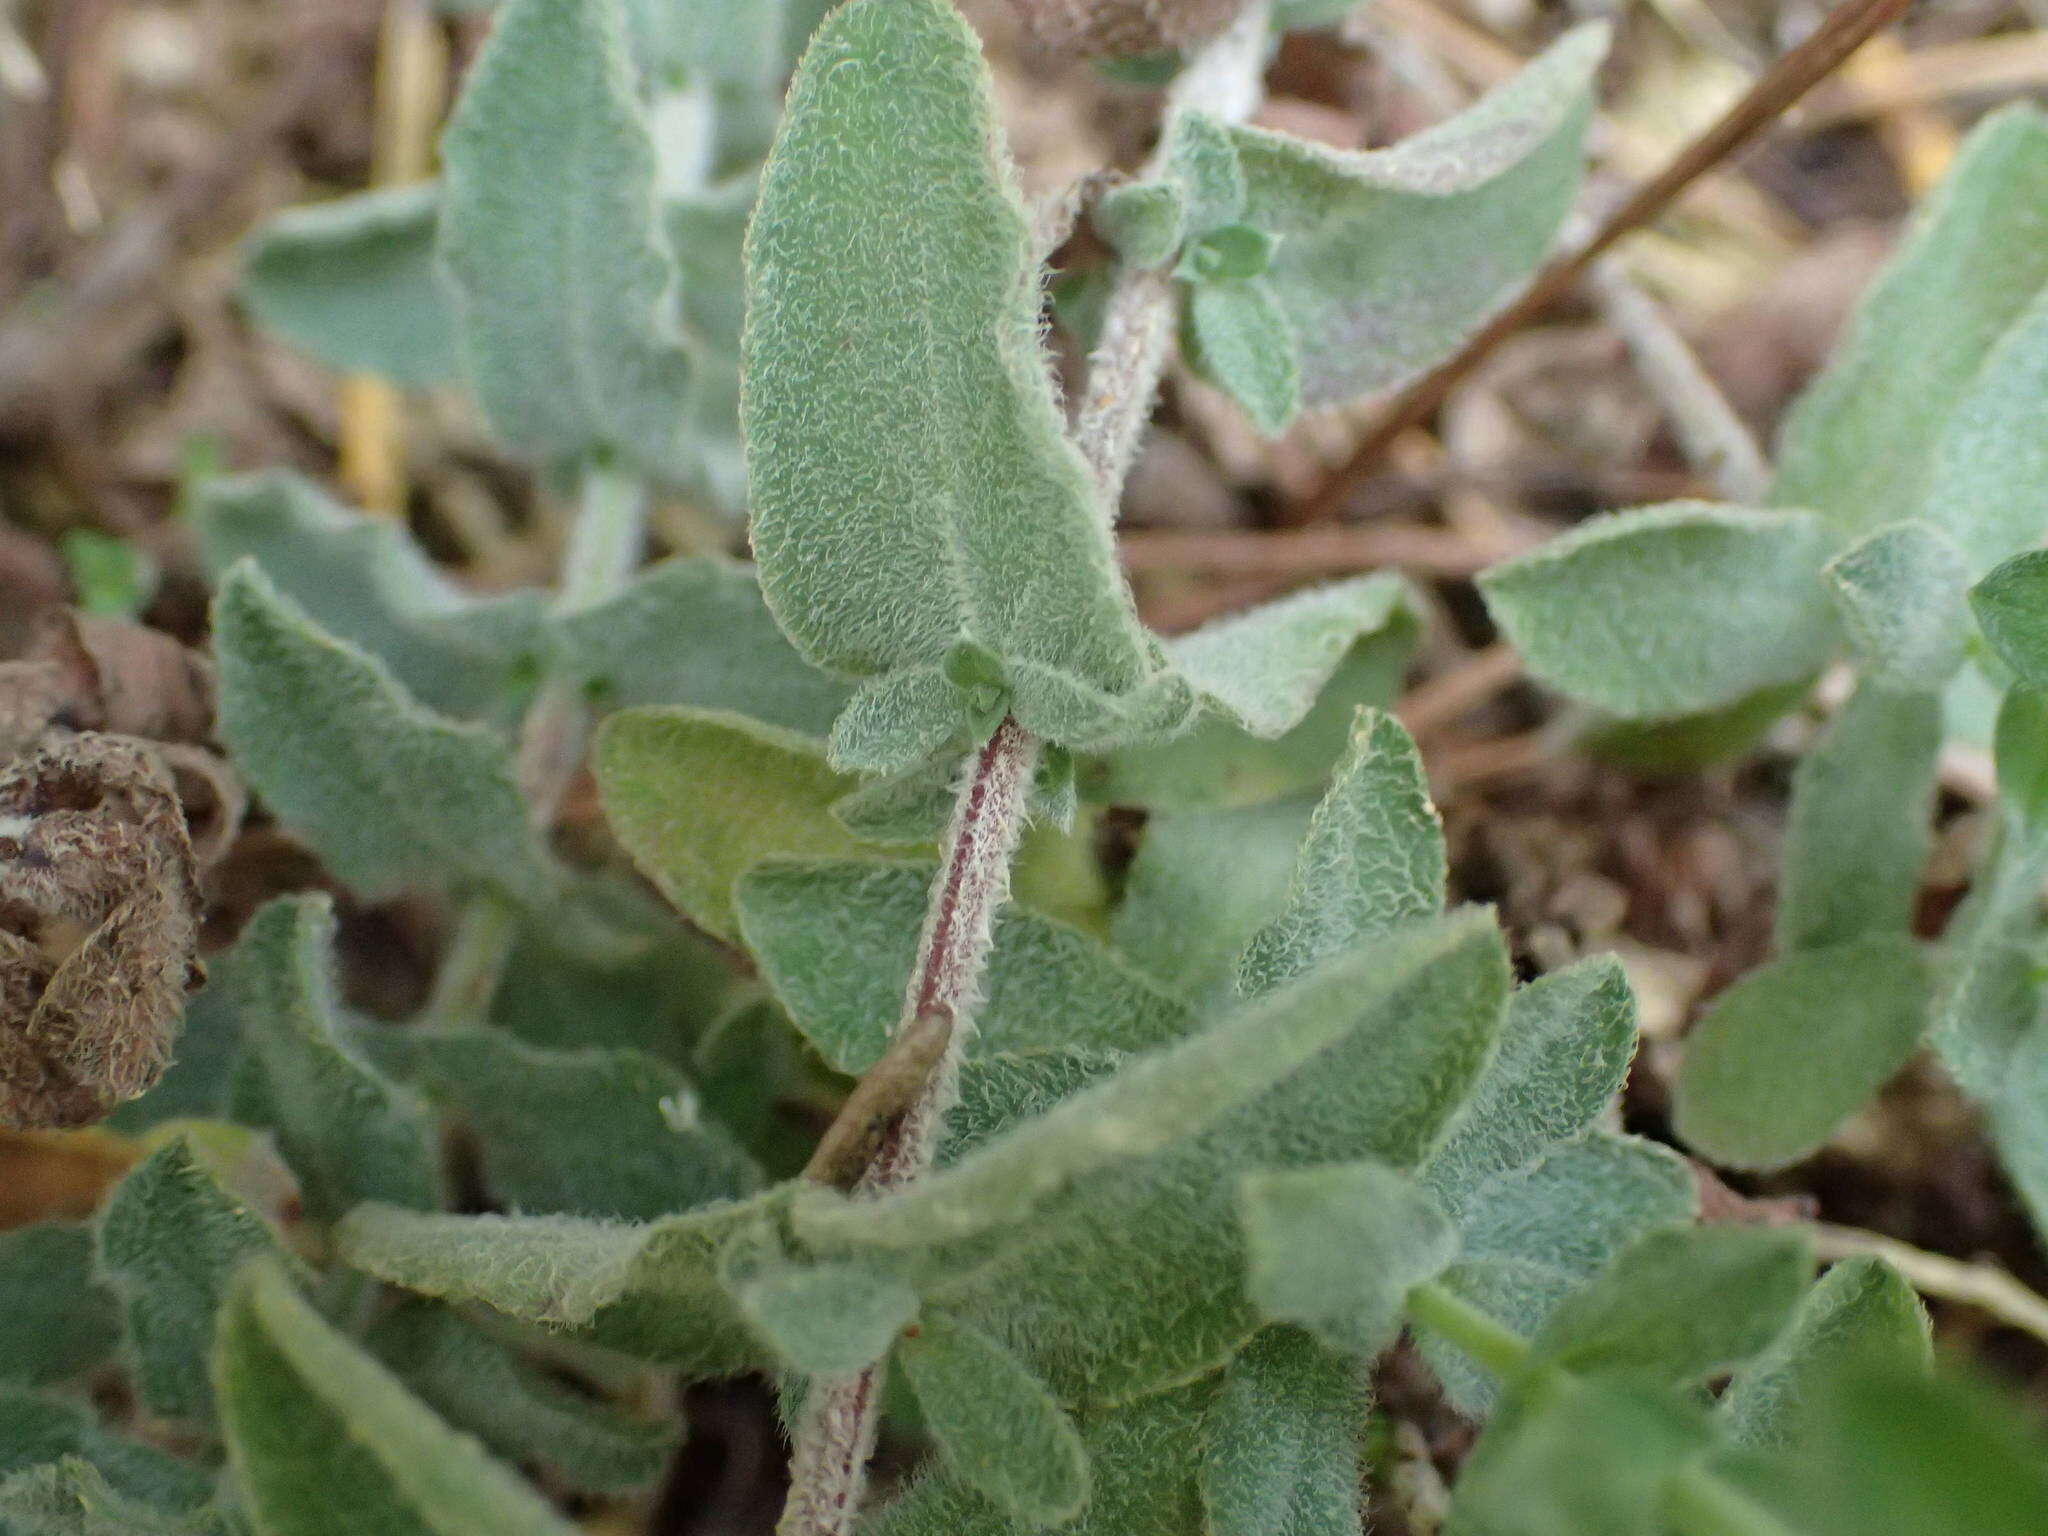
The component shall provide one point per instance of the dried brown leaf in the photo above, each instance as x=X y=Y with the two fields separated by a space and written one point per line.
x=99 y=909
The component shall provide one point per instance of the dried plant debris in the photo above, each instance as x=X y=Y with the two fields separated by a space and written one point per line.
x=1124 y=28
x=99 y=908
x=85 y=673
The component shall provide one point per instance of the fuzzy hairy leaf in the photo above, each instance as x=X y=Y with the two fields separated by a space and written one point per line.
x=1388 y=259
x=1179 y=1092
x=700 y=797
x=1861 y=821
x=56 y=1321
x=1861 y=1313
x=1679 y=1305
x=1239 y=340
x=347 y=1134
x=1532 y=1235
x=837 y=943
x=651 y=1291
x=1373 y=860
x=1264 y=669
x=1336 y=1249
x=1671 y=610
x=1860 y=444
x=1567 y=1457
x=1985 y=482
x=1098 y=1241
x=576 y=1132
x=1202 y=884
x=72 y=1497
x=1901 y=593
x=363 y=580
x=829 y=1319
x=998 y=1428
x=170 y=1239
x=1142 y=1458
x=354 y=282
x=519 y=1412
x=2011 y=605
x=1788 y=1053
x=1282 y=1456
x=912 y=479
x=1564 y=1055
x=37 y=1429
x=695 y=632
x=324 y=1440
x=390 y=793
x=1217 y=764
x=552 y=238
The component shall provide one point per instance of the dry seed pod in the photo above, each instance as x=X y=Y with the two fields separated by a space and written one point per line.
x=1095 y=28
x=99 y=910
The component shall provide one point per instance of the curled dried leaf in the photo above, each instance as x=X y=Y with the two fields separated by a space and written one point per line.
x=126 y=679
x=1098 y=28
x=99 y=910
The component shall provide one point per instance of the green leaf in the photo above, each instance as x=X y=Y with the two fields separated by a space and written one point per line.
x=1670 y=610
x=1000 y=1091
x=1336 y=1249
x=390 y=793
x=1372 y=861
x=1901 y=591
x=347 y=1134
x=1862 y=1313
x=1567 y=1457
x=35 y=1429
x=1264 y=669
x=1388 y=259
x=113 y=578
x=1236 y=253
x=651 y=1291
x=1202 y=160
x=55 y=1319
x=695 y=632
x=1218 y=763
x=1179 y=1092
x=913 y=483
x=828 y=1319
x=1990 y=997
x=196 y=1085
x=1679 y=1305
x=1238 y=339
x=364 y=581
x=1900 y=1453
x=553 y=241
x=1099 y=1240
x=1282 y=1455
x=2019 y=748
x=1531 y=1235
x=998 y=1428
x=699 y=797
x=2017 y=1110
x=1985 y=483
x=72 y=1497
x=1788 y=1053
x=1143 y=1457
x=519 y=1412
x=1202 y=884
x=576 y=1132
x=1564 y=1055
x=1143 y=222
x=324 y=1440
x=837 y=943
x=1859 y=445
x=353 y=281
x=169 y=1241
x=2011 y=605
x=1861 y=821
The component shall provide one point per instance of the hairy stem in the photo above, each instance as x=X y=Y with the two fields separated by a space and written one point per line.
x=1452 y=1318
x=604 y=549
x=835 y=1434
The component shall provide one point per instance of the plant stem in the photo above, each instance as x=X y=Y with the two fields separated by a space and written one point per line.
x=604 y=549
x=835 y=1434
x=1500 y=1350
